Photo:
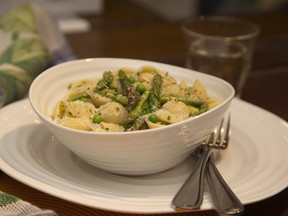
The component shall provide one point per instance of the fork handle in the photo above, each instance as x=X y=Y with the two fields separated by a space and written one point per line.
x=190 y=195
x=225 y=201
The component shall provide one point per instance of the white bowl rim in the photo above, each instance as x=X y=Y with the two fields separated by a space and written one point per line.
x=154 y=130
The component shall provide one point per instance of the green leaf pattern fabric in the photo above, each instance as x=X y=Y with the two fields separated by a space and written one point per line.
x=30 y=42
x=13 y=206
x=23 y=54
x=6 y=199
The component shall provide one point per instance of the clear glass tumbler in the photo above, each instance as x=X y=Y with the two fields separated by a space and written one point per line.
x=221 y=46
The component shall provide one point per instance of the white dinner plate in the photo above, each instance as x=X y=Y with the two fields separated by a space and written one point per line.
x=255 y=165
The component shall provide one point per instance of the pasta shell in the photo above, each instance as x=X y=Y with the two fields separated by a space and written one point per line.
x=114 y=112
x=107 y=127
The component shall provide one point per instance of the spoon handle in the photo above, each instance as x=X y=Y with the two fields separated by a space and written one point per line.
x=225 y=201
x=190 y=195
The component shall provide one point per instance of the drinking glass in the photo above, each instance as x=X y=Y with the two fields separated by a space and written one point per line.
x=221 y=46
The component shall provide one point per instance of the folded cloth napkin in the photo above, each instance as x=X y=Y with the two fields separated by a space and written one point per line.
x=30 y=43
x=13 y=206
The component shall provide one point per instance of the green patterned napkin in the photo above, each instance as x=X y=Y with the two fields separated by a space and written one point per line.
x=12 y=206
x=23 y=54
x=30 y=42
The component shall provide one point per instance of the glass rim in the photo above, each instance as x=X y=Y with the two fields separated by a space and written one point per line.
x=255 y=29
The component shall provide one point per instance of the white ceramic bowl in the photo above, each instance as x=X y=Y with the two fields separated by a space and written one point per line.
x=129 y=153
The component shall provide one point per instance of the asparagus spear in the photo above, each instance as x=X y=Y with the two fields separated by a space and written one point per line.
x=83 y=96
x=154 y=98
x=128 y=89
x=203 y=108
x=138 y=110
x=124 y=80
x=106 y=80
x=193 y=111
x=195 y=101
x=195 y=105
x=118 y=97
x=137 y=124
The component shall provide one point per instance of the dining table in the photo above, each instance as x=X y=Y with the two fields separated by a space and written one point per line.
x=125 y=29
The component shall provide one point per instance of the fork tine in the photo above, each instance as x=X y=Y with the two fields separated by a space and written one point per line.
x=219 y=139
x=216 y=137
x=223 y=132
x=227 y=134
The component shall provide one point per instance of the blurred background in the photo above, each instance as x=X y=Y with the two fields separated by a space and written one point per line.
x=151 y=30
x=67 y=11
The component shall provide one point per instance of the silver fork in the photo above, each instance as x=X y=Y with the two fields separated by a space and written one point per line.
x=190 y=195
x=225 y=201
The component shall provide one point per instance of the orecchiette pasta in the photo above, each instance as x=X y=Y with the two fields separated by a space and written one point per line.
x=114 y=112
x=99 y=100
x=127 y=100
x=81 y=86
x=199 y=90
x=152 y=125
x=76 y=123
x=79 y=109
x=107 y=127
x=177 y=108
x=173 y=90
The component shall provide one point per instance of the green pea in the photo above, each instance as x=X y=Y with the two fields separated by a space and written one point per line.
x=97 y=118
x=153 y=118
x=131 y=79
x=140 y=88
